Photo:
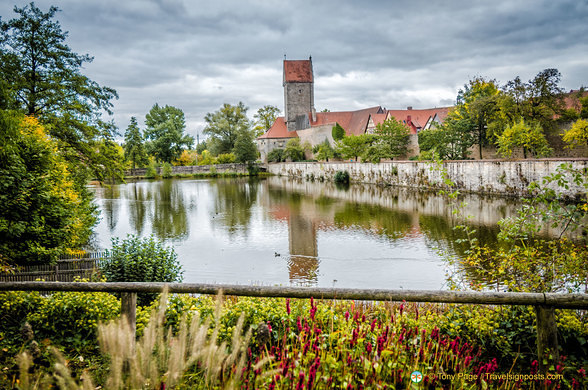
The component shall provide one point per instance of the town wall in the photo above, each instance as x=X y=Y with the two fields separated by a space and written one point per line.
x=191 y=169
x=505 y=177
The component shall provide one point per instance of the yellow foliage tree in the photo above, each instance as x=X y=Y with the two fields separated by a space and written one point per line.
x=42 y=212
x=577 y=135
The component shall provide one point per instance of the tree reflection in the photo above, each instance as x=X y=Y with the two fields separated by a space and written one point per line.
x=380 y=220
x=111 y=195
x=137 y=207
x=169 y=217
x=233 y=202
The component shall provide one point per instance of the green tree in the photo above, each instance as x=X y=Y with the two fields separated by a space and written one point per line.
x=223 y=127
x=42 y=213
x=323 y=151
x=476 y=106
x=394 y=136
x=245 y=149
x=338 y=132
x=201 y=147
x=264 y=119
x=44 y=79
x=449 y=141
x=522 y=135
x=294 y=150
x=276 y=155
x=134 y=145
x=375 y=152
x=165 y=129
x=354 y=146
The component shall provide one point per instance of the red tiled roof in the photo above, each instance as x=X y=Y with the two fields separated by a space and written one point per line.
x=571 y=99
x=298 y=71
x=279 y=130
x=378 y=118
x=354 y=122
x=420 y=117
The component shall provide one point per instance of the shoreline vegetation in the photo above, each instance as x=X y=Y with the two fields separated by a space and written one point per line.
x=278 y=343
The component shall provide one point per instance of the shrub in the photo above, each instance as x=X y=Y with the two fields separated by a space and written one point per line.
x=141 y=260
x=166 y=171
x=225 y=158
x=151 y=172
x=276 y=155
x=341 y=177
x=206 y=158
x=338 y=132
x=294 y=151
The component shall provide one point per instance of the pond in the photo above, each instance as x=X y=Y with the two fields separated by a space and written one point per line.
x=282 y=231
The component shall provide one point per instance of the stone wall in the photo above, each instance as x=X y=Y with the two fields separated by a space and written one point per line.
x=480 y=176
x=191 y=169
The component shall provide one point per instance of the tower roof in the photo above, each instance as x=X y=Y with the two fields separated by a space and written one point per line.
x=298 y=71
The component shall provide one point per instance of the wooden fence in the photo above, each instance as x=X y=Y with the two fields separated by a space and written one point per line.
x=66 y=269
x=544 y=303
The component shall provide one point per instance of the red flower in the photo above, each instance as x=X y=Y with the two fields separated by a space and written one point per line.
x=288 y=306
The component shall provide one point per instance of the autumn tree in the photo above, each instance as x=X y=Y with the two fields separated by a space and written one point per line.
x=577 y=135
x=44 y=79
x=528 y=137
x=134 y=144
x=264 y=119
x=476 y=107
x=165 y=130
x=42 y=213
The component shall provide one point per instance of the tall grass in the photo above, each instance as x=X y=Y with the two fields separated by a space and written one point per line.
x=158 y=359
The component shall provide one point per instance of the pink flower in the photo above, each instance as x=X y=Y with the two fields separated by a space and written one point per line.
x=288 y=306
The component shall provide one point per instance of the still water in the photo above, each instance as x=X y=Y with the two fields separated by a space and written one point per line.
x=282 y=231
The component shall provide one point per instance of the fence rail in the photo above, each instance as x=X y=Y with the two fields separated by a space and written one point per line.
x=544 y=303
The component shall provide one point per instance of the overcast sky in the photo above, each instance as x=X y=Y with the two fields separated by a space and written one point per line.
x=197 y=55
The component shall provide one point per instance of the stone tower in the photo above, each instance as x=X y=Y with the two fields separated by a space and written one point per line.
x=298 y=93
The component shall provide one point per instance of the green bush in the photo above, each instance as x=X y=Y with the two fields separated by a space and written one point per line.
x=338 y=132
x=276 y=155
x=66 y=318
x=341 y=177
x=294 y=151
x=73 y=317
x=137 y=259
x=151 y=172
x=166 y=170
x=225 y=158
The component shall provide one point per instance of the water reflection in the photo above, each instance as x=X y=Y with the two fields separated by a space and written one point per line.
x=280 y=230
x=233 y=201
x=111 y=206
x=137 y=207
x=169 y=218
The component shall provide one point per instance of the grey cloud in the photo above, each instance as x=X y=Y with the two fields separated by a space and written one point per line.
x=198 y=55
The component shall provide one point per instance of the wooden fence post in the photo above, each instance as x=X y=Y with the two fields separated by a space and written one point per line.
x=547 y=345
x=129 y=308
